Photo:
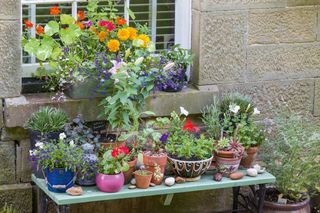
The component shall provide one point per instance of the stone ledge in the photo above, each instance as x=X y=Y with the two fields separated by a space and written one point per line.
x=18 y=110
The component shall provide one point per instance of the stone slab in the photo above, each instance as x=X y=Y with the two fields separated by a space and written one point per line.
x=1 y=115
x=268 y=62
x=221 y=55
x=316 y=110
x=286 y=25
x=17 y=195
x=10 y=54
x=7 y=165
x=292 y=3
x=272 y=96
x=10 y=9
x=23 y=165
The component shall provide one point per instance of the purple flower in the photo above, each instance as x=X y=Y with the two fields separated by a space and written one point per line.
x=87 y=23
x=164 y=137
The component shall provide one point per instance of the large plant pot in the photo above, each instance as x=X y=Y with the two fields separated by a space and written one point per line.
x=152 y=163
x=110 y=183
x=302 y=207
x=248 y=160
x=35 y=136
x=59 y=180
x=190 y=169
x=143 y=181
x=128 y=174
x=227 y=166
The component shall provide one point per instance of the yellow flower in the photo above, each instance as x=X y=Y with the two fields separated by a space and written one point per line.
x=102 y=36
x=123 y=34
x=133 y=33
x=113 y=45
x=145 y=39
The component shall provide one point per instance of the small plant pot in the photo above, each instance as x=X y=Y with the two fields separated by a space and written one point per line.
x=132 y=168
x=110 y=183
x=248 y=161
x=87 y=179
x=35 y=136
x=143 y=180
x=151 y=163
x=227 y=166
x=302 y=207
x=59 y=180
x=225 y=154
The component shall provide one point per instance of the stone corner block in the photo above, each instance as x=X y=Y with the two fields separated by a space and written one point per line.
x=10 y=9
x=7 y=159
x=316 y=109
x=1 y=115
x=23 y=165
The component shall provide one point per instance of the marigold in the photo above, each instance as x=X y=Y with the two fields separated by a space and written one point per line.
x=102 y=36
x=121 y=21
x=145 y=39
x=133 y=33
x=55 y=11
x=80 y=25
x=123 y=34
x=39 y=30
x=113 y=45
x=28 y=23
x=81 y=15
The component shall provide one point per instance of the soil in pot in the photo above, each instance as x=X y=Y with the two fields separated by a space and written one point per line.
x=143 y=178
x=128 y=174
x=155 y=163
x=248 y=160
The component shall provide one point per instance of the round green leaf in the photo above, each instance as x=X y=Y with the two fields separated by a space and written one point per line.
x=44 y=52
x=32 y=46
x=51 y=28
x=66 y=19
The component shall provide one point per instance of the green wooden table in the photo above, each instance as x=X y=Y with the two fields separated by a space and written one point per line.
x=91 y=194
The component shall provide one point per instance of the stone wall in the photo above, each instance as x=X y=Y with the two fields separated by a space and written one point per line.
x=269 y=49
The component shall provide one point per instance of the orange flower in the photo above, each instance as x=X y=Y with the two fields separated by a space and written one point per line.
x=39 y=30
x=121 y=21
x=81 y=15
x=123 y=34
x=28 y=23
x=113 y=45
x=102 y=36
x=55 y=11
x=80 y=25
x=133 y=33
x=145 y=39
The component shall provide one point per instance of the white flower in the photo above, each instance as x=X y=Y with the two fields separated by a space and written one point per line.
x=62 y=136
x=31 y=152
x=184 y=111
x=39 y=144
x=139 y=61
x=71 y=143
x=169 y=66
x=256 y=111
x=116 y=81
x=234 y=108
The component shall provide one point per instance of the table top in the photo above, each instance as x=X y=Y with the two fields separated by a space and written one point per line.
x=92 y=194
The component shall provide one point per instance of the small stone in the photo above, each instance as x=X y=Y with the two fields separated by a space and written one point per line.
x=133 y=181
x=169 y=181
x=236 y=176
x=132 y=187
x=152 y=185
x=74 y=191
x=252 y=172
x=217 y=177
x=180 y=180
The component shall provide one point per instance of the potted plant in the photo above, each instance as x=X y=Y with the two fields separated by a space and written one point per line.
x=110 y=177
x=291 y=154
x=189 y=153
x=143 y=178
x=174 y=65
x=47 y=123
x=60 y=161
x=132 y=160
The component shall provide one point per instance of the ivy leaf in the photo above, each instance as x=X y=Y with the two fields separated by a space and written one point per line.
x=32 y=46
x=44 y=52
x=51 y=28
x=66 y=19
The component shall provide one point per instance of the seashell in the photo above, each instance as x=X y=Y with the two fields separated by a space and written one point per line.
x=180 y=180
x=74 y=191
x=236 y=176
x=133 y=181
x=252 y=172
x=132 y=186
x=217 y=177
x=152 y=185
x=262 y=170
x=257 y=167
x=169 y=181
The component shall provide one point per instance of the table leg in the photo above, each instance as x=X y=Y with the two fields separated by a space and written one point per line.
x=44 y=202
x=62 y=209
x=262 y=193
x=236 y=191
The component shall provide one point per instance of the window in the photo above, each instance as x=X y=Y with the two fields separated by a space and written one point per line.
x=169 y=20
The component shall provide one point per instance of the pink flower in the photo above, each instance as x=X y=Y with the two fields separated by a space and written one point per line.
x=116 y=66
x=107 y=24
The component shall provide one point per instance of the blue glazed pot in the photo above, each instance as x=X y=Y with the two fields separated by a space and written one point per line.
x=59 y=180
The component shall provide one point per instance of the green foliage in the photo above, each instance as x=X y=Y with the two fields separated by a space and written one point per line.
x=292 y=155
x=211 y=117
x=181 y=57
x=244 y=101
x=7 y=209
x=143 y=172
x=111 y=165
x=47 y=119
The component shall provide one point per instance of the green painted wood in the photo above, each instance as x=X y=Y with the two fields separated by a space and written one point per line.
x=91 y=194
x=168 y=200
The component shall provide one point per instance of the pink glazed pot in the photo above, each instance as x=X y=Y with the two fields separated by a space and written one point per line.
x=110 y=183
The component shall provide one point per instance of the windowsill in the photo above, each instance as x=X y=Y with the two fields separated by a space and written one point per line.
x=17 y=110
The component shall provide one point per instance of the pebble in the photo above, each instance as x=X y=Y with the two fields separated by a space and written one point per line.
x=236 y=176
x=217 y=177
x=180 y=180
x=252 y=172
x=169 y=181
x=152 y=185
x=132 y=187
x=133 y=181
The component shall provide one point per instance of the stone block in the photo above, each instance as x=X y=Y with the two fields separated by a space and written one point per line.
x=1 y=115
x=292 y=3
x=285 y=25
x=316 y=110
x=17 y=195
x=272 y=96
x=7 y=159
x=10 y=54
x=23 y=165
x=221 y=47
x=14 y=134
x=214 y=5
x=10 y=9
x=267 y=62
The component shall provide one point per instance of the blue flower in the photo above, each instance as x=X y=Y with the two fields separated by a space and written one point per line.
x=164 y=137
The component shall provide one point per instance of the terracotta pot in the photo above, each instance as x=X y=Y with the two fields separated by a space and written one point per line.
x=225 y=154
x=107 y=145
x=128 y=174
x=109 y=183
x=228 y=166
x=302 y=207
x=143 y=181
x=248 y=161
x=152 y=162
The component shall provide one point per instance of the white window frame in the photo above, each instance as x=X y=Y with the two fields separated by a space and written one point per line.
x=182 y=23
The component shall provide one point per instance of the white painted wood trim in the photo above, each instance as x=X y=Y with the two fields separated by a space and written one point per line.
x=183 y=23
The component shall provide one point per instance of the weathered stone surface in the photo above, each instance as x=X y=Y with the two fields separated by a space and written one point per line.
x=10 y=9
x=291 y=3
x=17 y=195
x=283 y=25
x=23 y=170
x=283 y=61
x=222 y=48
x=316 y=109
x=1 y=115
x=14 y=134
x=272 y=96
x=10 y=63
x=213 y=5
x=7 y=165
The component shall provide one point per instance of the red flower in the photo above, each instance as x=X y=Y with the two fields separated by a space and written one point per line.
x=39 y=29
x=81 y=15
x=55 y=11
x=115 y=153
x=190 y=126
x=124 y=150
x=109 y=25
x=28 y=23
x=121 y=21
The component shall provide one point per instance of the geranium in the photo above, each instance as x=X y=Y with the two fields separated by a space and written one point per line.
x=55 y=11
x=39 y=29
x=113 y=45
x=81 y=15
x=28 y=23
x=115 y=153
x=121 y=21
x=145 y=39
x=190 y=127
x=123 y=34
x=107 y=24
